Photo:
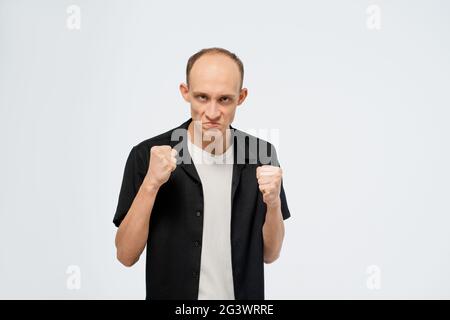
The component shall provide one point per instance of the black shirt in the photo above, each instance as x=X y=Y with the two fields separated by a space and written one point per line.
x=176 y=222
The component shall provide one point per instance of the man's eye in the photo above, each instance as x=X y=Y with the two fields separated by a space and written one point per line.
x=225 y=99
x=201 y=97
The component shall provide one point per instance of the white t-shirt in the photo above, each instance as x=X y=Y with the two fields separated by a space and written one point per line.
x=215 y=172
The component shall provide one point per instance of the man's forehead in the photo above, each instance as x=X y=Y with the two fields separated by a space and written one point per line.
x=213 y=86
x=213 y=92
x=217 y=70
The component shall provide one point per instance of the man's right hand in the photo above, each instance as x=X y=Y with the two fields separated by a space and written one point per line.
x=162 y=163
x=132 y=235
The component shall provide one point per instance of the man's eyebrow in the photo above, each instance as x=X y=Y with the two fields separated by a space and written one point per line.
x=198 y=93
x=205 y=94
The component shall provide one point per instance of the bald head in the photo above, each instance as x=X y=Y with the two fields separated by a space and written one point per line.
x=223 y=55
x=215 y=69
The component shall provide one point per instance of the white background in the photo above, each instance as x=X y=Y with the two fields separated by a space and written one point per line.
x=362 y=115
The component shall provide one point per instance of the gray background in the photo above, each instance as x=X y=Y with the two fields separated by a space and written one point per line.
x=363 y=136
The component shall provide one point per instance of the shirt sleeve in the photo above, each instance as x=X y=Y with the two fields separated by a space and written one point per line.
x=128 y=189
x=274 y=162
x=284 y=206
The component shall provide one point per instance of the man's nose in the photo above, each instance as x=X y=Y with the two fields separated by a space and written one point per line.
x=212 y=111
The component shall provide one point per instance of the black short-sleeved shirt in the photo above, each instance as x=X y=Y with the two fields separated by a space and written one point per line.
x=176 y=222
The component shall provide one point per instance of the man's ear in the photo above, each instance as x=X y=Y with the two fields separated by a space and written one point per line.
x=242 y=95
x=184 y=89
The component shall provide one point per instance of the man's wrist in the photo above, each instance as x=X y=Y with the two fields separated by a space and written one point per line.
x=150 y=186
x=274 y=205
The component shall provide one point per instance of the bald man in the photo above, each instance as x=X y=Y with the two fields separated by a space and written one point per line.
x=206 y=199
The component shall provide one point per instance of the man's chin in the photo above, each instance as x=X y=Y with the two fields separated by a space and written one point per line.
x=212 y=132
x=214 y=129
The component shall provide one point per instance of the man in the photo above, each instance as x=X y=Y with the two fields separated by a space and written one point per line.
x=210 y=206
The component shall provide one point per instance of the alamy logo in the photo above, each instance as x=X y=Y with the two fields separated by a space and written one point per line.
x=373 y=21
x=73 y=21
x=373 y=281
x=248 y=149
x=73 y=281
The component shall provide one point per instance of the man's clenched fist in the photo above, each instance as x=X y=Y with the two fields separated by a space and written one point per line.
x=162 y=163
x=269 y=181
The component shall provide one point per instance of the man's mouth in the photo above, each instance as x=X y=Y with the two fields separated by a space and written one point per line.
x=212 y=124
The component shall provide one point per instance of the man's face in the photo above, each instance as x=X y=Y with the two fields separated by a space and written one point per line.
x=214 y=92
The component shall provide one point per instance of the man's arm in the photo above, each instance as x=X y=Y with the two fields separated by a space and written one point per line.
x=269 y=181
x=273 y=233
x=132 y=235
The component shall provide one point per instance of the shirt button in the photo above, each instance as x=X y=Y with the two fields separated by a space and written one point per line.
x=198 y=213
x=197 y=243
x=195 y=274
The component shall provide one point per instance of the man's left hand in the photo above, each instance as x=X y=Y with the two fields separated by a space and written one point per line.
x=269 y=181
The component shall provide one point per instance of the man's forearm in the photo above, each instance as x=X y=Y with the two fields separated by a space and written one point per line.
x=132 y=234
x=273 y=233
